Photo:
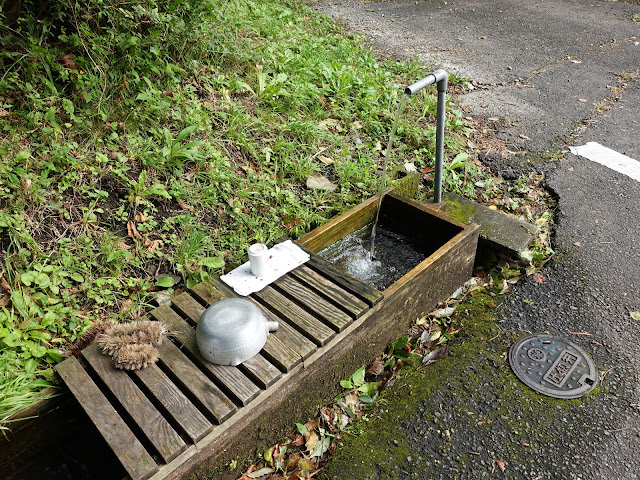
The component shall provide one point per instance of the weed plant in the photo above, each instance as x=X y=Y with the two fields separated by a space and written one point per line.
x=148 y=143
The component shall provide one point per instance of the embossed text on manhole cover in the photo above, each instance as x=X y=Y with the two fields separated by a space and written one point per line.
x=553 y=366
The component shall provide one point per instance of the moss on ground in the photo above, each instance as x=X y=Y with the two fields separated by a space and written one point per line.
x=458 y=417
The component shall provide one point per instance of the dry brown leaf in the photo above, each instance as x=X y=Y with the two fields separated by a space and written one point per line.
x=126 y=305
x=311 y=438
x=122 y=246
x=4 y=284
x=4 y=300
x=312 y=424
x=132 y=231
x=25 y=183
x=154 y=245
x=325 y=160
x=500 y=465
x=582 y=100
x=376 y=367
x=539 y=277
x=185 y=206
x=141 y=217
x=319 y=182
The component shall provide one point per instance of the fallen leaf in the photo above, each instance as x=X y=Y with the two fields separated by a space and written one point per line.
x=154 y=245
x=4 y=284
x=132 y=231
x=298 y=440
x=500 y=464
x=434 y=355
x=311 y=439
x=635 y=316
x=312 y=424
x=577 y=244
x=325 y=160
x=582 y=100
x=185 y=206
x=575 y=61
x=4 y=300
x=444 y=312
x=329 y=122
x=67 y=61
x=376 y=367
x=539 y=277
x=357 y=124
x=126 y=305
x=25 y=183
x=427 y=170
x=261 y=472
x=141 y=217
x=292 y=223
x=320 y=182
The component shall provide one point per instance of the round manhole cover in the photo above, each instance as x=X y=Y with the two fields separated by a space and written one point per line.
x=552 y=366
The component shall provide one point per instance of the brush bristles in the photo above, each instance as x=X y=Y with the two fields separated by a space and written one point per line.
x=134 y=333
x=135 y=357
x=132 y=345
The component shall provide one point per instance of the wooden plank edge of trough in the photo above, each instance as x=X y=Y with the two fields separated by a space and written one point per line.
x=297 y=394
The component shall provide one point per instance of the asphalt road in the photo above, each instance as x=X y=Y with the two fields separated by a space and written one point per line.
x=557 y=73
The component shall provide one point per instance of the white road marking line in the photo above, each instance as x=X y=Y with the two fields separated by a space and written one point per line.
x=609 y=158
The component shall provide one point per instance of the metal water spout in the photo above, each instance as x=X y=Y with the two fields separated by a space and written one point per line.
x=441 y=78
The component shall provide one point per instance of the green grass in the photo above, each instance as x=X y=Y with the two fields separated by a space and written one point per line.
x=152 y=139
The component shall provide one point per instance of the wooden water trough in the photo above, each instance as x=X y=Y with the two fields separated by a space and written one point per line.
x=185 y=415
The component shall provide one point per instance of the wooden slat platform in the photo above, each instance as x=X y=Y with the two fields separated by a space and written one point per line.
x=152 y=418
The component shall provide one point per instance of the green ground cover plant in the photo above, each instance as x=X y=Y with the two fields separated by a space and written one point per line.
x=144 y=145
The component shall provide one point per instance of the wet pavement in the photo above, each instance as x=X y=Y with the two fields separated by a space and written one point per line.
x=556 y=74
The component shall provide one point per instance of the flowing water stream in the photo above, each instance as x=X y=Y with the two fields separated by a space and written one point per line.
x=383 y=182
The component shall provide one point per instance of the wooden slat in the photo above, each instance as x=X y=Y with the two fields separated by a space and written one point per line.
x=157 y=430
x=208 y=293
x=304 y=322
x=232 y=380
x=178 y=406
x=288 y=335
x=201 y=388
x=367 y=293
x=334 y=292
x=280 y=354
x=261 y=371
x=188 y=306
x=332 y=315
x=132 y=455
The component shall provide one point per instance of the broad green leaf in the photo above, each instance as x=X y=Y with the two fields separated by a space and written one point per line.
x=166 y=282
x=54 y=355
x=400 y=343
x=301 y=428
x=635 y=316
x=22 y=155
x=358 y=377
x=27 y=278
x=77 y=277
x=37 y=351
x=12 y=340
x=50 y=116
x=321 y=447
x=212 y=262
x=526 y=255
x=346 y=384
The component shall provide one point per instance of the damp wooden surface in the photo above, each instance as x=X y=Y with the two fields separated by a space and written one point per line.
x=330 y=323
x=169 y=409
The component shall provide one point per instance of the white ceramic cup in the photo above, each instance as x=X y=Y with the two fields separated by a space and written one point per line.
x=259 y=260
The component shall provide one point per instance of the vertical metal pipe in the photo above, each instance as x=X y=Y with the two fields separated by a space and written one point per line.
x=441 y=78
x=440 y=121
